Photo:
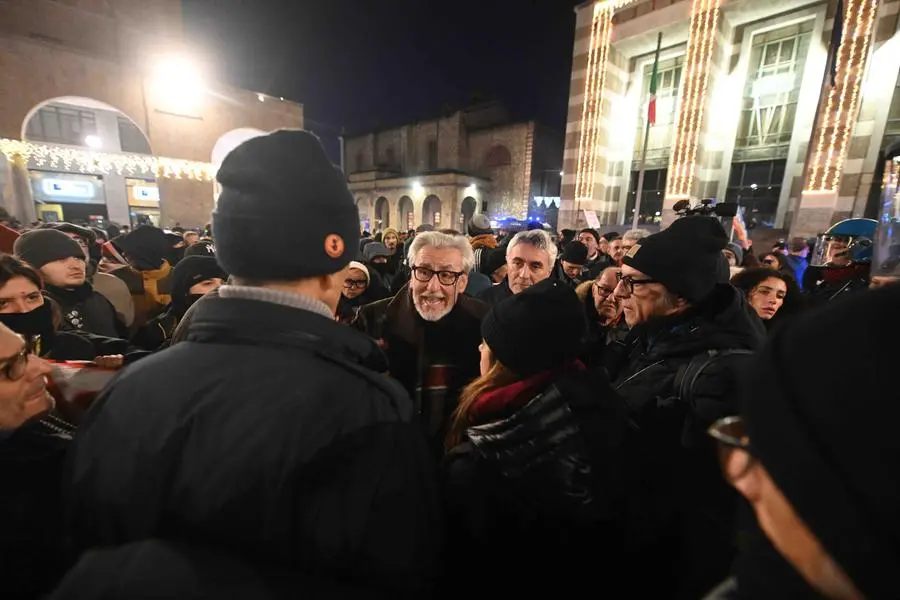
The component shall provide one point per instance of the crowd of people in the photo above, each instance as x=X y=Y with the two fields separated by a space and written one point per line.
x=302 y=410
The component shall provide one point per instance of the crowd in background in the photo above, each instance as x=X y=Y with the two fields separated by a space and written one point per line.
x=300 y=410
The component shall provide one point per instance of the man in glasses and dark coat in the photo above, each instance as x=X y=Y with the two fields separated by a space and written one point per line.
x=676 y=373
x=430 y=330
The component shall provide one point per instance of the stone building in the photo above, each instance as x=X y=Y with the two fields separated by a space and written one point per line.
x=443 y=171
x=102 y=116
x=746 y=108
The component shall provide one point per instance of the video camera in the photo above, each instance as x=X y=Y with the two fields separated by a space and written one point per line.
x=708 y=207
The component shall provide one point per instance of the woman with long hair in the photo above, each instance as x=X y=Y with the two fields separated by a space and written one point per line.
x=532 y=474
x=773 y=295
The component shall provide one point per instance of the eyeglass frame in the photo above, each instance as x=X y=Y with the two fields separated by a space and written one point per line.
x=455 y=274
x=359 y=284
x=596 y=285
x=19 y=359
x=629 y=282
x=729 y=441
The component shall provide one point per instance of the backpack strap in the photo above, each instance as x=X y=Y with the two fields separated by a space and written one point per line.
x=687 y=374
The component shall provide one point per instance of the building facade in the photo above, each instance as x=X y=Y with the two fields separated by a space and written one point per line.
x=747 y=109
x=442 y=171
x=102 y=116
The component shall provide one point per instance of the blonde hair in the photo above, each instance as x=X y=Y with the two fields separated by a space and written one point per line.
x=498 y=376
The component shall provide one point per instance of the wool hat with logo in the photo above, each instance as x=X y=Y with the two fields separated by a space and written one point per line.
x=685 y=258
x=285 y=211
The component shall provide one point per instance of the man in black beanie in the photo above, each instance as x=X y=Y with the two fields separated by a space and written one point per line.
x=266 y=433
x=63 y=266
x=192 y=278
x=597 y=259
x=570 y=266
x=688 y=336
x=817 y=457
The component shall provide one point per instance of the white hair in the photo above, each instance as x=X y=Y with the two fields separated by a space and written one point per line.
x=539 y=239
x=438 y=240
x=635 y=235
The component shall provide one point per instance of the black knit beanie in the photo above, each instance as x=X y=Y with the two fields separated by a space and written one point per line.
x=685 y=258
x=192 y=270
x=549 y=311
x=146 y=247
x=201 y=249
x=41 y=246
x=593 y=232
x=492 y=259
x=575 y=253
x=828 y=436
x=285 y=212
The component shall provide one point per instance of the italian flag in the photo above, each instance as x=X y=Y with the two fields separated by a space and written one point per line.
x=654 y=84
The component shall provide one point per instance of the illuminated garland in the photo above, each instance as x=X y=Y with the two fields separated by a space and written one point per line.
x=836 y=126
x=697 y=67
x=75 y=159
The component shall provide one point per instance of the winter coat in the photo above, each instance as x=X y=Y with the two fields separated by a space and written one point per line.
x=84 y=309
x=434 y=361
x=681 y=509
x=158 y=331
x=599 y=338
x=496 y=293
x=593 y=268
x=266 y=434
x=157 y=569
x=32 y=545
x=478 y=284
x=538 y=482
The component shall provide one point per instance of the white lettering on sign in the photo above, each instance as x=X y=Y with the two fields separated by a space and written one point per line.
x=146 y=192
x=67 y=188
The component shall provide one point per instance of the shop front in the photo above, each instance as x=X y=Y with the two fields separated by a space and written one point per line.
x=143 y=202
x=69 y=197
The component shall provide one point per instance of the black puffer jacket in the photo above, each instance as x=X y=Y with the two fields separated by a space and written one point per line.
x=681 y=510
x=496 y=293
x=264 y=435
x=538 y=482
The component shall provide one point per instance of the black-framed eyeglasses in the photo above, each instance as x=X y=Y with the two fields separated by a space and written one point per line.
x=424 y=274
x=355 y=283
x=630 y=281
x=14 y=367
x=601 y=290
x=735 y=451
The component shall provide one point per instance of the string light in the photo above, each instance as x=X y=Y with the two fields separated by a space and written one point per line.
x=71 y=158
x=698 y=64
x=836 y=126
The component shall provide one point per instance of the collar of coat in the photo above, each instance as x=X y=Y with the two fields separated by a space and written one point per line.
x=404 y=322
x=255 y=322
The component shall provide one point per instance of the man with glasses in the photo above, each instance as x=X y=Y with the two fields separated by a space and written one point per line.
x=818 y=458
x=430 y=330
x=32 y=452
x=681 y=321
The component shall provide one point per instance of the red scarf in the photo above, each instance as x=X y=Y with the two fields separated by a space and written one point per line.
x=507 y=399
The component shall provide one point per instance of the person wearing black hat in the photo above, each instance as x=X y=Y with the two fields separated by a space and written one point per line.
x=570 y=266
x=817 y=457
x=689 y=334
x=149 y=254
x=597 y=259
x=63 y=266
x=535 y=412
x=192 y=278
x=278 y=437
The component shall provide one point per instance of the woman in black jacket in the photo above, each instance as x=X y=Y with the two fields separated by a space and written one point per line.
x=31 y=314
x=532 y=475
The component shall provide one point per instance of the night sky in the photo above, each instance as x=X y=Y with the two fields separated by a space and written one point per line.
x=362 y=64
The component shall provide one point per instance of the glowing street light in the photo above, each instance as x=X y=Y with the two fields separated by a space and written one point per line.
x=178 y=80
x=93 y=142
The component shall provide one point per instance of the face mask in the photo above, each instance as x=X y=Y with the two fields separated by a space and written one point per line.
x=379 y=267
x=192 y=299
x=35 y=324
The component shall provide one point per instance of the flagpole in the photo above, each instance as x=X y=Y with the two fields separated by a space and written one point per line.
x=643 y=164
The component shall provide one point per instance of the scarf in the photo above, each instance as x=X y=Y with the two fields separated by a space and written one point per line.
x=504 y=401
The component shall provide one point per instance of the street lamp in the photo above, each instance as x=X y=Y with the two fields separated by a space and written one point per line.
x=93 y=142
x=178 y=82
